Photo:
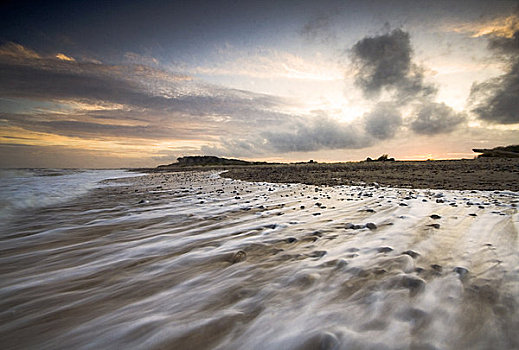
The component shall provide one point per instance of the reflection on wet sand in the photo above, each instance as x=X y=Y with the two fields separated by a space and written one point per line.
x=191 y=260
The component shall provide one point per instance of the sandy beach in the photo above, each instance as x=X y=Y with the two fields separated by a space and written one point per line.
x=194 y=260
x=474 y=174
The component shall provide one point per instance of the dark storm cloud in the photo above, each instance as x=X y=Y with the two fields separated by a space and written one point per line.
x=435 y=118
x=295 y=134
x=320 y=132
x=497 y=99
x=383 y=121
x=384 y=62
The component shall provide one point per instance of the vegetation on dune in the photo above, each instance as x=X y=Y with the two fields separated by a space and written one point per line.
x=511 y=151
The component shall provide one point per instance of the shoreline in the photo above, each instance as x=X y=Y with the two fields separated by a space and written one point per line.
x=233 y=264
x=474 y=174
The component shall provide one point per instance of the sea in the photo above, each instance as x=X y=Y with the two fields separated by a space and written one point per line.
x=25 y=189
x=110 y=259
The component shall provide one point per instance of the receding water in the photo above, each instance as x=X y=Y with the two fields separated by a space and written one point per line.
x=194 y=261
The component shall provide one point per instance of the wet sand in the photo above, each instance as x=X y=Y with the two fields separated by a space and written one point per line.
x=479 y=174
x=195 y=261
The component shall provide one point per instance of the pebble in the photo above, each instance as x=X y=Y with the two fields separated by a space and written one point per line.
x=435 y=216
x=385 y=249
x=238 y=257
x=411 y=253
x=461 y=271
x=437 y=267
x=414 y=284
x=371 y=226
x=317 y=254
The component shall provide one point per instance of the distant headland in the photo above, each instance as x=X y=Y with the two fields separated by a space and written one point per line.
x=494 y=169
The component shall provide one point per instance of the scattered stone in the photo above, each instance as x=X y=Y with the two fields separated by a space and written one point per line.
x=473 y=214
x=317 y=254
x=341 y=263
x=435 y=216
x=411 y=253
x=371 y=226
x=142 y=201
x=436 y=226
x=349 y=226
x=414 y=284
x=315 y=214
x=291 y=240
x=369 y=210
x=385 y=249
x=238 y=257
x=440 y=200
x=302 y=207
x=321 y=340
x=437 y=267
x=403 y=205
x=461 y=271
x=481 y=207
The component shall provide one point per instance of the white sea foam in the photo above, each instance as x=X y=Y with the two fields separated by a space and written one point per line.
x=190 y=260
x=35 y=188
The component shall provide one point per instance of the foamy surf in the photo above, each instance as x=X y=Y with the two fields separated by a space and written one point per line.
x=191 y=260
x=24 y=189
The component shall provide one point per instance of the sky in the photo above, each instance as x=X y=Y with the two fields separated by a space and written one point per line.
x=98 y=84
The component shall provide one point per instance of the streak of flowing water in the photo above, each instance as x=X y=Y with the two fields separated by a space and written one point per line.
x=194 y=261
